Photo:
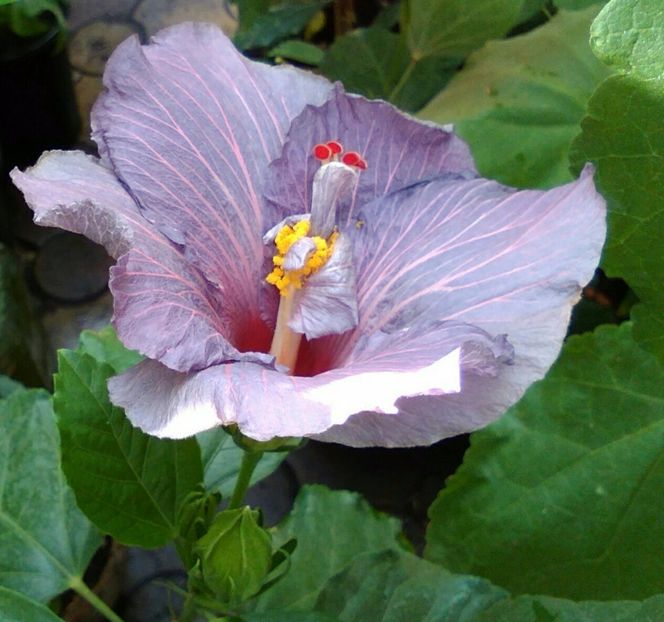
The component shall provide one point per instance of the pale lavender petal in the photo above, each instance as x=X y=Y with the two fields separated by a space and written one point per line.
x=73 y=191
x=332 y=182
x=399 y=150
x=189 y=126
x=164 y=307
x=508 y=262
x=327 y=303
x=297 y=255
x=265 y=403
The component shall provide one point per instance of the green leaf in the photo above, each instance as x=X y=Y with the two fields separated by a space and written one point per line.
x=285 y=616
x=518 y=103
x=8 y=386
x=278 y=23
x=299 y=51
x=399 y=587
x=629 y=35
x=453 y=28
x=250 y=10
x=375 y=62
x=563 y=495
x=234 y=555
x=105 y=347
x=129 y=484
x=22 y=349
x=331 y=527
x=16 y=607
x=222 y=458
x=577 y=5
x=622 y=136
x=46 y=542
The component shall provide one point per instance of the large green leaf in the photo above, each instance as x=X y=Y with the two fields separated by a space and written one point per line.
x=222 y=459
x=396 y=586
x=129 y=484
x=629 y=35
x=622 y=136
x=331 y=527
x=454 y=28
x=375 y=62
x=15 y=607
x=46 y=542
x=518 y=103
x=563 y=495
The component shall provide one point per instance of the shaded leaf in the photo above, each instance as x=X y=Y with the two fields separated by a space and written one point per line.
x=45 y=540
x=519 y=102
x=452 y=28
x=554 y=497
x=8 y=386
x=279 y=22
x=222 y=458
x=399 y=587
x=21 y=337
x=331 y=527
x=15 y=607
x=129 y=484
x=299 y=51
x=375 y=62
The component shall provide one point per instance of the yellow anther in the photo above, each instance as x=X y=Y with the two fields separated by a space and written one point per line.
x=285 y=238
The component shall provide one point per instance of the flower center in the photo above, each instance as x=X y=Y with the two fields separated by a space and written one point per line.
x=304 y=244
x=302 y=259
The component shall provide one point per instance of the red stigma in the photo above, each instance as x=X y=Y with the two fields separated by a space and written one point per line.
x=352 y=158
x=322 y=152
x=335 y=147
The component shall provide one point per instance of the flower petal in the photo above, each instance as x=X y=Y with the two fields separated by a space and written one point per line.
x=164 y=307
x=399 y=151
x=265 y=403
x=189 y=125
x=73 y=191
x=327 y=303
x=509 y=262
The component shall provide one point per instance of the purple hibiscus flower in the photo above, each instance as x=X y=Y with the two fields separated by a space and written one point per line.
x=250 y=205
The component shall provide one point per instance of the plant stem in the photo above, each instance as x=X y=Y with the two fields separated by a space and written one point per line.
x=402 y=80
x=344 y=17
x=85 y=592
x=249 y=462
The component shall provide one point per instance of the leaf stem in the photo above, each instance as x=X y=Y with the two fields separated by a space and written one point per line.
x=249 y=462
x=85 y=592
x=402 y=81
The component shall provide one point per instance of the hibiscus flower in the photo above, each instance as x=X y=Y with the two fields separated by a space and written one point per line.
x=299 y=261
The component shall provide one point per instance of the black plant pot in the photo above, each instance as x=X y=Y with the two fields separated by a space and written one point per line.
x=38 y=106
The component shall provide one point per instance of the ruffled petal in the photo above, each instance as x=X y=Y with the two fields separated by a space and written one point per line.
x=509 y=262
x=327 y=303
x=164 y=307
x=189 y=126
x=73 y=191
x=399 y=150
x=265 y=403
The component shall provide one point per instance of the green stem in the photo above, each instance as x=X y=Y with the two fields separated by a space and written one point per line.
x=85 y=592
x=402 y=80
x=249 y=462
